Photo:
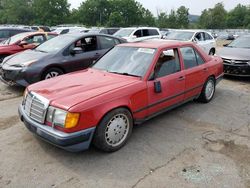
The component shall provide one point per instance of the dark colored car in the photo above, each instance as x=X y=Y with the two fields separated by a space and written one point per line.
x=60 y=55
x=23 y=41
x=236 y=57
x=7 y=32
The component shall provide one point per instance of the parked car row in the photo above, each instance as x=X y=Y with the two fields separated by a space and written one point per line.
x=114 y=82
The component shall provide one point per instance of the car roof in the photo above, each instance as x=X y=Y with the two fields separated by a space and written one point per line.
x=80 y=35
x=191 y=30
x=140 y=28
x=14 y=28
x=156 y=43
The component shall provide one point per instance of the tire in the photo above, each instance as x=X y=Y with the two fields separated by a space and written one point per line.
x=52 y=72
x=211 y=52
x=208 y=91
x=114 y=130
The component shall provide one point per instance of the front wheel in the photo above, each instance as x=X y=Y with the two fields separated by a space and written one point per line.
x=52 y=72
x=208 y=91
x=114 y=130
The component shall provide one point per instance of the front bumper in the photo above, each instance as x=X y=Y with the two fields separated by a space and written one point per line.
x=242 y=70
x=13 y=77
x=74 y=142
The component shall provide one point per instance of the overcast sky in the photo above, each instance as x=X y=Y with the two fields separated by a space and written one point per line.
x=195 y=6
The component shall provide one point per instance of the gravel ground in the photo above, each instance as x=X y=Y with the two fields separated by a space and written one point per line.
x=195 y=145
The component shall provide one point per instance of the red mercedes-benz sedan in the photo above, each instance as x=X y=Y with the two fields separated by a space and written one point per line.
x=131 y=83
x=23 y=41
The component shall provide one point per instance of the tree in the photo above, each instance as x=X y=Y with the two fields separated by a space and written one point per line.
x=182 y=17
x=50 y=12
x=214 y=18
x=236 y=17
x=172 y=20
x=162 y=20
x=115 y=20
x=16 y=11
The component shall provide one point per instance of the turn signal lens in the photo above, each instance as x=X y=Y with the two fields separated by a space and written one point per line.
x=71 y=120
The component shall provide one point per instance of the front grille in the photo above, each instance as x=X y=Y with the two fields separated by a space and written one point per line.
x=35 y=107
x=235 y=62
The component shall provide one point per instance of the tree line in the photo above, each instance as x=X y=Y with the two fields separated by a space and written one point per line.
x=117 y=13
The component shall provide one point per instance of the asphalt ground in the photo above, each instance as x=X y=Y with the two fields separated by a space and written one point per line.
x=195 y=145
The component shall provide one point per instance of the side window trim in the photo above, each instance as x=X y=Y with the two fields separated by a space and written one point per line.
x=176 y=52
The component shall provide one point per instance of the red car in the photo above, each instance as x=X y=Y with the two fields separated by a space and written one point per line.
x=132 y=83
x=23 y=41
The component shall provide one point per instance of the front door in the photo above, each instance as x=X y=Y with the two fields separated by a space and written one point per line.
x=84 y=57
x=168 y=73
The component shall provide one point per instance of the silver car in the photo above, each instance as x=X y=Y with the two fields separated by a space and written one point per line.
x=236 y=57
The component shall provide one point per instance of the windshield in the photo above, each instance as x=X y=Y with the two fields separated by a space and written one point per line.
x=241 y=42
x=180 y=35
x=123 y=32
x=15 y=38
x=127 y=61
x=56 y=44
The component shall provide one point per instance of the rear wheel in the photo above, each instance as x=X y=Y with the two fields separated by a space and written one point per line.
x=208 y=91
x=52 y=72
x=114 y=130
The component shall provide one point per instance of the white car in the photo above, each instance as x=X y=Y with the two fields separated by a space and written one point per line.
x=202 y=38
x=64 y=30
x=135 y=34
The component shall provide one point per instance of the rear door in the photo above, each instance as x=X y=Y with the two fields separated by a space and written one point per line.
x=195 y=71
x=169 y=73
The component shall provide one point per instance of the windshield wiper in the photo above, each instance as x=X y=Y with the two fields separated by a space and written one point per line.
x=124 y=73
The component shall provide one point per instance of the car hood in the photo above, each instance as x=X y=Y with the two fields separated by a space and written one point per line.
x=26 y=56
x=234 y=53
x=69 y=90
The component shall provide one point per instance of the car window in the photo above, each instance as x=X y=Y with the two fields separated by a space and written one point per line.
x=138 y=33
x=34 y=39
x=189 y=57
x=14 y=32
x=126 y=60
x=199 y=37
x=64 y=31
x=208 y=37
x=168 y=63
x=4 y=34
x=145 y=32
x=199 y=58
x=49 y=36
x=153 y=32
x=87 y=44
x=106 y=42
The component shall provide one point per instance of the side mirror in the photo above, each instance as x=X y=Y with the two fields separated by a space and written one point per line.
x=23 y=43
x=76 y=50
x=225 y=45
x=157 y=86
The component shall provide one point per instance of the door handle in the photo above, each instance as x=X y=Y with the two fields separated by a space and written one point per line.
x=181 y=78
x=205 y=69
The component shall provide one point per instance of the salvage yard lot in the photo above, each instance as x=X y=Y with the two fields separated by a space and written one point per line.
x=195 y=145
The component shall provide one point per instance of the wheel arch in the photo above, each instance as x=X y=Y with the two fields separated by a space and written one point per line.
x=114 y=108
x=50 y=67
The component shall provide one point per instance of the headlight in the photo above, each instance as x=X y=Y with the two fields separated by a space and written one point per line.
x=61 y=118
x=26 y=64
